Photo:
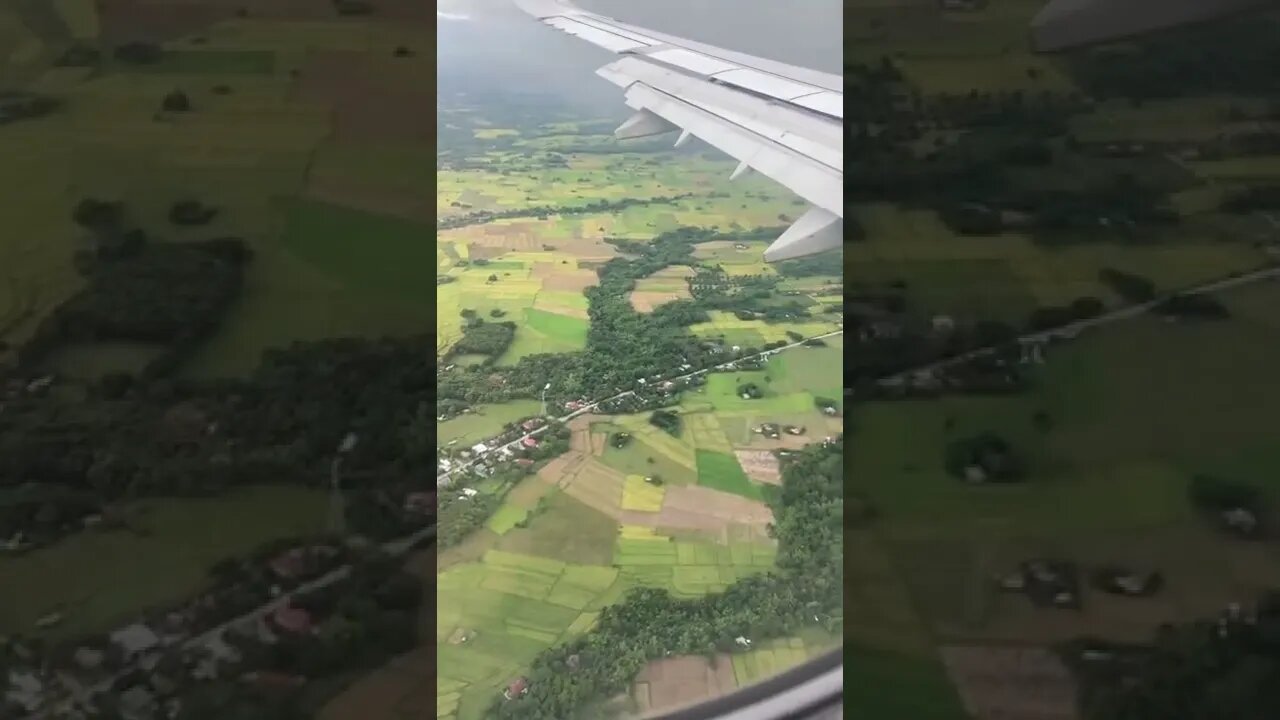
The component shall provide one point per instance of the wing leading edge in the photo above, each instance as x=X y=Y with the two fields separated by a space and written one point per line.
x=782 y=121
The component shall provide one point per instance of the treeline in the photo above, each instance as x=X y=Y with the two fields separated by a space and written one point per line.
x=567 y=681
x=368 y=402
x=623 y=345
x=1216 y=668
x=543 y=212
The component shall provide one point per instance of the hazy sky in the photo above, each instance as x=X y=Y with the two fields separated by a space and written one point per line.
x=492 y=41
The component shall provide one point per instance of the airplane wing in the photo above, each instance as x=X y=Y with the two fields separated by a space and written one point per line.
x=783 y=121
x=1072 y=23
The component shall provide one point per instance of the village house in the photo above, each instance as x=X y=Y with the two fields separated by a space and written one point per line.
x=134 y=641
x=530 y=442
x=292 y=620
x=517 y=688
x=25 y=690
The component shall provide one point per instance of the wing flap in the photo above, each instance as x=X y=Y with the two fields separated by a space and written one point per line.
x=781 y=121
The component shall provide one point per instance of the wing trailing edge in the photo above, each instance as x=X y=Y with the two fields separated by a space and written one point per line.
x=781 y=121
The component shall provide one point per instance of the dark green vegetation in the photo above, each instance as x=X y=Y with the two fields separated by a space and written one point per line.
x=649 y=624
x=623 y=345
x=322 y=234
x=1223 y=667
x=1001 y=192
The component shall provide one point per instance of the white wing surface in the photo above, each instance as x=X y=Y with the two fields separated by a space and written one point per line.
x=782 y=121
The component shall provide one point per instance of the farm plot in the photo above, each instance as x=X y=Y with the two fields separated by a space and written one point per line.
x=720 y=471
x=687 y=568
x=947 y=539
x=638 y=457
x=1008 y=275
x=493 y=617
x=768 y=659
x=664 y=286
x=638 y=494
x=674 y=682
x=546 y=332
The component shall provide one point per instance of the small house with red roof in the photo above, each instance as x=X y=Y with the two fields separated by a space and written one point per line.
x=292 y=620
x=517 y=688
x=530 y=442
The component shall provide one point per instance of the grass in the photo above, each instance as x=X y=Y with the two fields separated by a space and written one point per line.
x=484 y=421
x=106 y=579
x=514 y=606
x=566 y=530
x=639 y=458
x=93 y=360
x=1108 y=480
x=208 y=62
x=377 y=254
x=1006 y=276
x=897 y=686
x=506 y=518
x=721 y=471
x=818 y=371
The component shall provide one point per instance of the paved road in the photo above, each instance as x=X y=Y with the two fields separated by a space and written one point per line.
x=1060 y=332
x=1075 y=328
x=393 y=547
x=444 y=479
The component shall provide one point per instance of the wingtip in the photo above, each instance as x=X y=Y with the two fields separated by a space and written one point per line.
x=816 y=231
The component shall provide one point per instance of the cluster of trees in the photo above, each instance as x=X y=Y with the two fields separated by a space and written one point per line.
x=1224 y=667
x=1252 y=199
x=622 y=345
x=25 y=105
x=137 y=291
x=1192 y=306
x=666 y=421
x=542 y=212
x=285 y=423
x=484 y=338
x=459 y=515
x=1084 y=308
x=1132 y=287
x=986 y=457
x=649 y=624
x=1237 y=507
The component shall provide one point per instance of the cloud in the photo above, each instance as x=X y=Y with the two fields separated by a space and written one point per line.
x=455 y=17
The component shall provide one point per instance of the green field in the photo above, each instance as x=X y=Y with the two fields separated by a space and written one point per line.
x=484 y=421
x=546 y=332
x=377 y=254
x=640 y=458
x=1005 y=277
x=513 y=606
x=565 y=529
x=105 y=579
x=722 y=472
x=1102 y=491
x=208 y=62
x=688 y=569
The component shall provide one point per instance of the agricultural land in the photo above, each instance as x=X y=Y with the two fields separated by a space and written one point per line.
x=214 y=215
x=1060 y=311
x=572 y=269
